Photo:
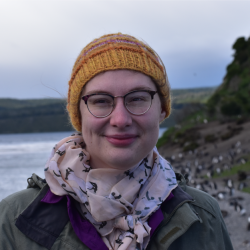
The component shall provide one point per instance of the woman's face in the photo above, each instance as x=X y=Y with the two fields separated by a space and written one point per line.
x=121 y=139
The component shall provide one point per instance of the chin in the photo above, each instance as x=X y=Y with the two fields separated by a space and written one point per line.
x=122 y=161
x=122 y=158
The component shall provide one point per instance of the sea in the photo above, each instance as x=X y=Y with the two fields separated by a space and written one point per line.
x=24 y=154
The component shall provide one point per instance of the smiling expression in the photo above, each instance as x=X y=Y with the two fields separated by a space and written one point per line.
x=121 y=139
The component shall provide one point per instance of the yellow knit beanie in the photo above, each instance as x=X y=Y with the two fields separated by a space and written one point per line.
x=113 y=52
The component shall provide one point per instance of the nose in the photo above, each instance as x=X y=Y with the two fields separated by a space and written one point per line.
x=120 y=116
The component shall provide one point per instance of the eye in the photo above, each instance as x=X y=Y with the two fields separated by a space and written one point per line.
x=138 y=97
x=100 y=100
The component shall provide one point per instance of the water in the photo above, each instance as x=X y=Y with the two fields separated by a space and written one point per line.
x=24 y=154
x=161 y=131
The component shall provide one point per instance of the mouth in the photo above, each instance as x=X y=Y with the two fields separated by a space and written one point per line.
x=121 y=140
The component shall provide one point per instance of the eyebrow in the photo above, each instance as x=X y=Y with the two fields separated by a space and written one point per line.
x=107 y=92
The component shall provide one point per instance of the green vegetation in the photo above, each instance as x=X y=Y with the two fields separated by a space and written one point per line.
x=190 y=146
x=246 y=190
x=233 y=171
x=210 y=138
x=232 y=97
x=186 y=102
x=184 y=133
x=165 y=137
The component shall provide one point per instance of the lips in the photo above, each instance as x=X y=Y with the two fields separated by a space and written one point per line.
x=121 y=140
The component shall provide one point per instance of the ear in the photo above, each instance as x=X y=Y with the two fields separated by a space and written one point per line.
x=162 y=115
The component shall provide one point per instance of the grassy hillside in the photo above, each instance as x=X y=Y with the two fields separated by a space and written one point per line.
x=232 y=98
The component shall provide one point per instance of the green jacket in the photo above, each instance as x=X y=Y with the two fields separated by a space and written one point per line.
x=192 y=221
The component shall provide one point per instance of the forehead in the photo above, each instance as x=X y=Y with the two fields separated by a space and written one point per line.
x=118 y=82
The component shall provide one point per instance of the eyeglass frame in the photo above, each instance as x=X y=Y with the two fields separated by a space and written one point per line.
x=151 y=92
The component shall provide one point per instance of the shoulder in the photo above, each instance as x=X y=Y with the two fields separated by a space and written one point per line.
x=201 y=200
x=11 y=207
x=204 y=201
x=210 y=231
x=18 y=201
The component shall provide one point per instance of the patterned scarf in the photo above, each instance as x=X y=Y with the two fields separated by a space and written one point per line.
x=118 y=203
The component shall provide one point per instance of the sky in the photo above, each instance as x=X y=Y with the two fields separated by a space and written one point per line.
x=41 y=39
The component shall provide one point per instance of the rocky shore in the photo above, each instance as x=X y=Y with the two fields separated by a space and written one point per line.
x=214 y=157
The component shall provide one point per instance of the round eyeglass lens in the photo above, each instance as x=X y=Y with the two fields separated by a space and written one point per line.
x=100 y=105
x=138 y=102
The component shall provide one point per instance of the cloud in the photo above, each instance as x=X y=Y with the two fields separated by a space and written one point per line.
x=47 y=36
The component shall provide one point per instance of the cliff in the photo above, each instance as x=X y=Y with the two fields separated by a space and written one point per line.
x=232 y=98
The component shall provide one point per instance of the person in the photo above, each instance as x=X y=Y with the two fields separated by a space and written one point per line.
x=106 y=186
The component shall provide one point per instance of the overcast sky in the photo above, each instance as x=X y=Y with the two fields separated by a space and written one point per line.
x=40 y=39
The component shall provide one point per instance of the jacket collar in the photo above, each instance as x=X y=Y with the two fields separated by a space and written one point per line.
x=178 y=216
x=173 y=226
x=36 y=223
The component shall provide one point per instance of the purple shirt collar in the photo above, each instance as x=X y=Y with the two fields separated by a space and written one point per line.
x=85 y=231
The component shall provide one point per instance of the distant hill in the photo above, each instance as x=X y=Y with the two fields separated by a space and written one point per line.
x=186 y=102
x=232 y=97
x=49 y=115
x=37 y=115
x=192 y=95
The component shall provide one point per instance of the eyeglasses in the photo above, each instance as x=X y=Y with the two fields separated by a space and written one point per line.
x=136 y=102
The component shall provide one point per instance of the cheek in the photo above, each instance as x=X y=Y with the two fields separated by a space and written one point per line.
x=155 y=116
x=92 y=128
x=88 y=123
x=150 y=126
